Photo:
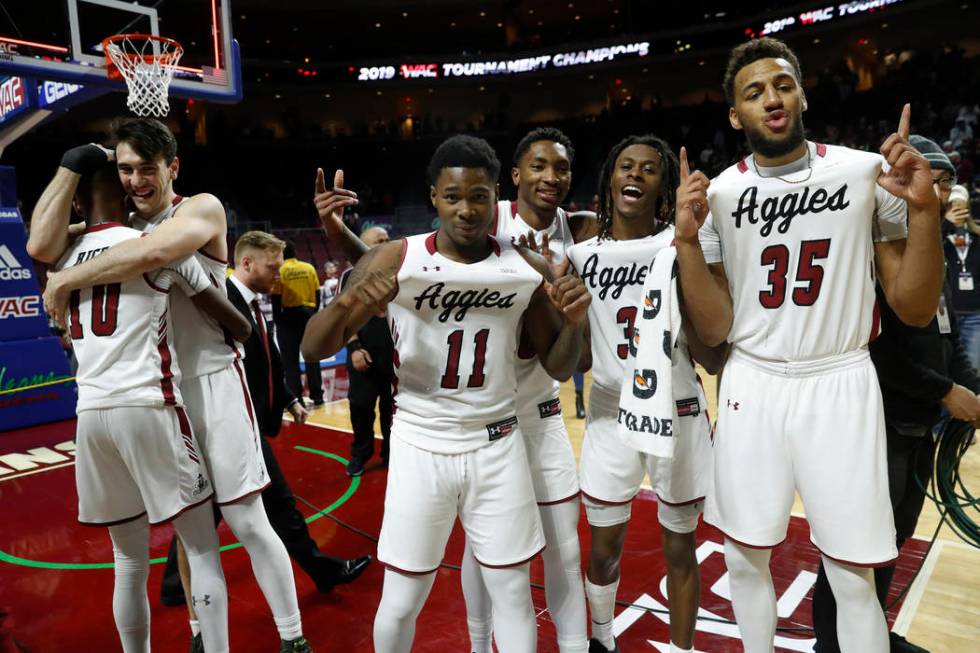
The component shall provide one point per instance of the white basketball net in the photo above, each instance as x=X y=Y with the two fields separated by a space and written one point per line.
x=147 y=64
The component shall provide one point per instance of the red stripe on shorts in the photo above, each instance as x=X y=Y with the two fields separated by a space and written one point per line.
x=167 y=374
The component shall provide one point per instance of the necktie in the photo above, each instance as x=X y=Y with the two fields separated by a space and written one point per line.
x=260 y=321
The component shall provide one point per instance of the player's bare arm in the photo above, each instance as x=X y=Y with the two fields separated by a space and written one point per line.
x=556 y=317
x=712 y=359
x=371 y=286
x=330 y=205
x=50 y=237
x=911 y=271
x=704 y=287
x=197 y=224
x=213 y=302
x=584 y=225
x=585 y=358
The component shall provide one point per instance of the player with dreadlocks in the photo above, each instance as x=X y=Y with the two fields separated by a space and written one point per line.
x=637 y=186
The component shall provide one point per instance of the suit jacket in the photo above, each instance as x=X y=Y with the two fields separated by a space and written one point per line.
x=257 y=371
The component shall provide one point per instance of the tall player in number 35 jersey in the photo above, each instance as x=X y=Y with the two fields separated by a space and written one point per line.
x=456 y=301
x=798 y=234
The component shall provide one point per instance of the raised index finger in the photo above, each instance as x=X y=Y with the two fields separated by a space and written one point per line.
x=903 y=122
x=685 y=166
x=320 y=186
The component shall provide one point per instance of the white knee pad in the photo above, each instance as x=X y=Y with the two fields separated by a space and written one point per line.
x=604 y=514
x=679 y=519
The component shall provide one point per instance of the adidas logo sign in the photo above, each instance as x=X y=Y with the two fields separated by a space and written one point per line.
x=10 y=267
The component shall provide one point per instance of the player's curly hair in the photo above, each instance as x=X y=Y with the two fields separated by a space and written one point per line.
x=149 y=137
x=463 y=151
x=669 y=181
x=543 y=134
x=750 y=52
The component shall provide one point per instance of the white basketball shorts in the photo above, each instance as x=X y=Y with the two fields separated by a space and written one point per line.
x=815 y=428
x=612 y=472
x=220 y=409
x=137 y=459
x=550 y=455
x=489 y=489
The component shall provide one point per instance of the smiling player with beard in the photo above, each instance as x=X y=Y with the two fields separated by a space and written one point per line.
x=636 y=185
x=785 y=270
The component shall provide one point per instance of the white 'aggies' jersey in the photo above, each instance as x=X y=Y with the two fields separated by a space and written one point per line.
x=203 y=345
x=455 y=328
x=121 y=332
x=537 y=392
x=800 y=256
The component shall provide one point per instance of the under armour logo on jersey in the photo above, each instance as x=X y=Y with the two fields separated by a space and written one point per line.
x=733 y=404
x=206 y=600
x=651 y=304
x=644 y=383
x=426 y=268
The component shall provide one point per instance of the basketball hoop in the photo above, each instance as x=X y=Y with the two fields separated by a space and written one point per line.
x=147 y=63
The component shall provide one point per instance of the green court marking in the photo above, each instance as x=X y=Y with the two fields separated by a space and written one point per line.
x=355 y=482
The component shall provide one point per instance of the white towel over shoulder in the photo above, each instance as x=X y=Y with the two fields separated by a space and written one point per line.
x=647 y=410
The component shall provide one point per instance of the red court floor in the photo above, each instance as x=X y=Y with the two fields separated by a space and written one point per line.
x=56 y=580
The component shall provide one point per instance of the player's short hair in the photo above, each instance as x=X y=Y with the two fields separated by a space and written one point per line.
x=670 y=179
x=105 y=173
x=148 y=136
x=543 y=134
x=463 y=151
x=750 y=52
x=257 y=240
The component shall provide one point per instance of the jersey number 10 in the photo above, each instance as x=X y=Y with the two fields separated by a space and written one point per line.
x=105 y=308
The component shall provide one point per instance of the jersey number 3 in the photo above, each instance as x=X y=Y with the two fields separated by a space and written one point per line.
x=807 y=271
x=450 y=379
x=105 y=310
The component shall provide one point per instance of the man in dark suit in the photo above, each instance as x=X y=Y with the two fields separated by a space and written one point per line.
x=258 y=257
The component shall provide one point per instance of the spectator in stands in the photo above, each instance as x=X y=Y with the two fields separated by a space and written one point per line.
x=331 y=281
x=964 y=168
x=961 y=133
x=369 y=364
x=293 y=306
x=962 y=249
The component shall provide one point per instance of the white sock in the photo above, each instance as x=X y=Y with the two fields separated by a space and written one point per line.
x=753 y=596
x=602 y=602
x=289 y=628
x=563 y=575
x=861 y=623
x=195 y=627
x=270 y=562
x=479 y=611
x=674 y=648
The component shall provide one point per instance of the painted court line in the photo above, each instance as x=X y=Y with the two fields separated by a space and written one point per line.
x=918 y=590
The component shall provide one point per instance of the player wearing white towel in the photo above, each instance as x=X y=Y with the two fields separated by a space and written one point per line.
x=213 y=386
x=456 y=300
x=785 y=270
x=138 y=462
x=636 y=210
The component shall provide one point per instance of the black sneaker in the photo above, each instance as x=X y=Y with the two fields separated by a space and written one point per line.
x=595 y=646
x=579 y=406
x=901 y=645
x=197 y=644
x=298 y=645
x=355 y=468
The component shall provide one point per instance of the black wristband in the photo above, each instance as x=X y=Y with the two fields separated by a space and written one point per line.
x=85 y=158
x=353 y=346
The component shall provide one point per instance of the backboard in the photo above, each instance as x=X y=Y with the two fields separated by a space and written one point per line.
x=61 y=40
